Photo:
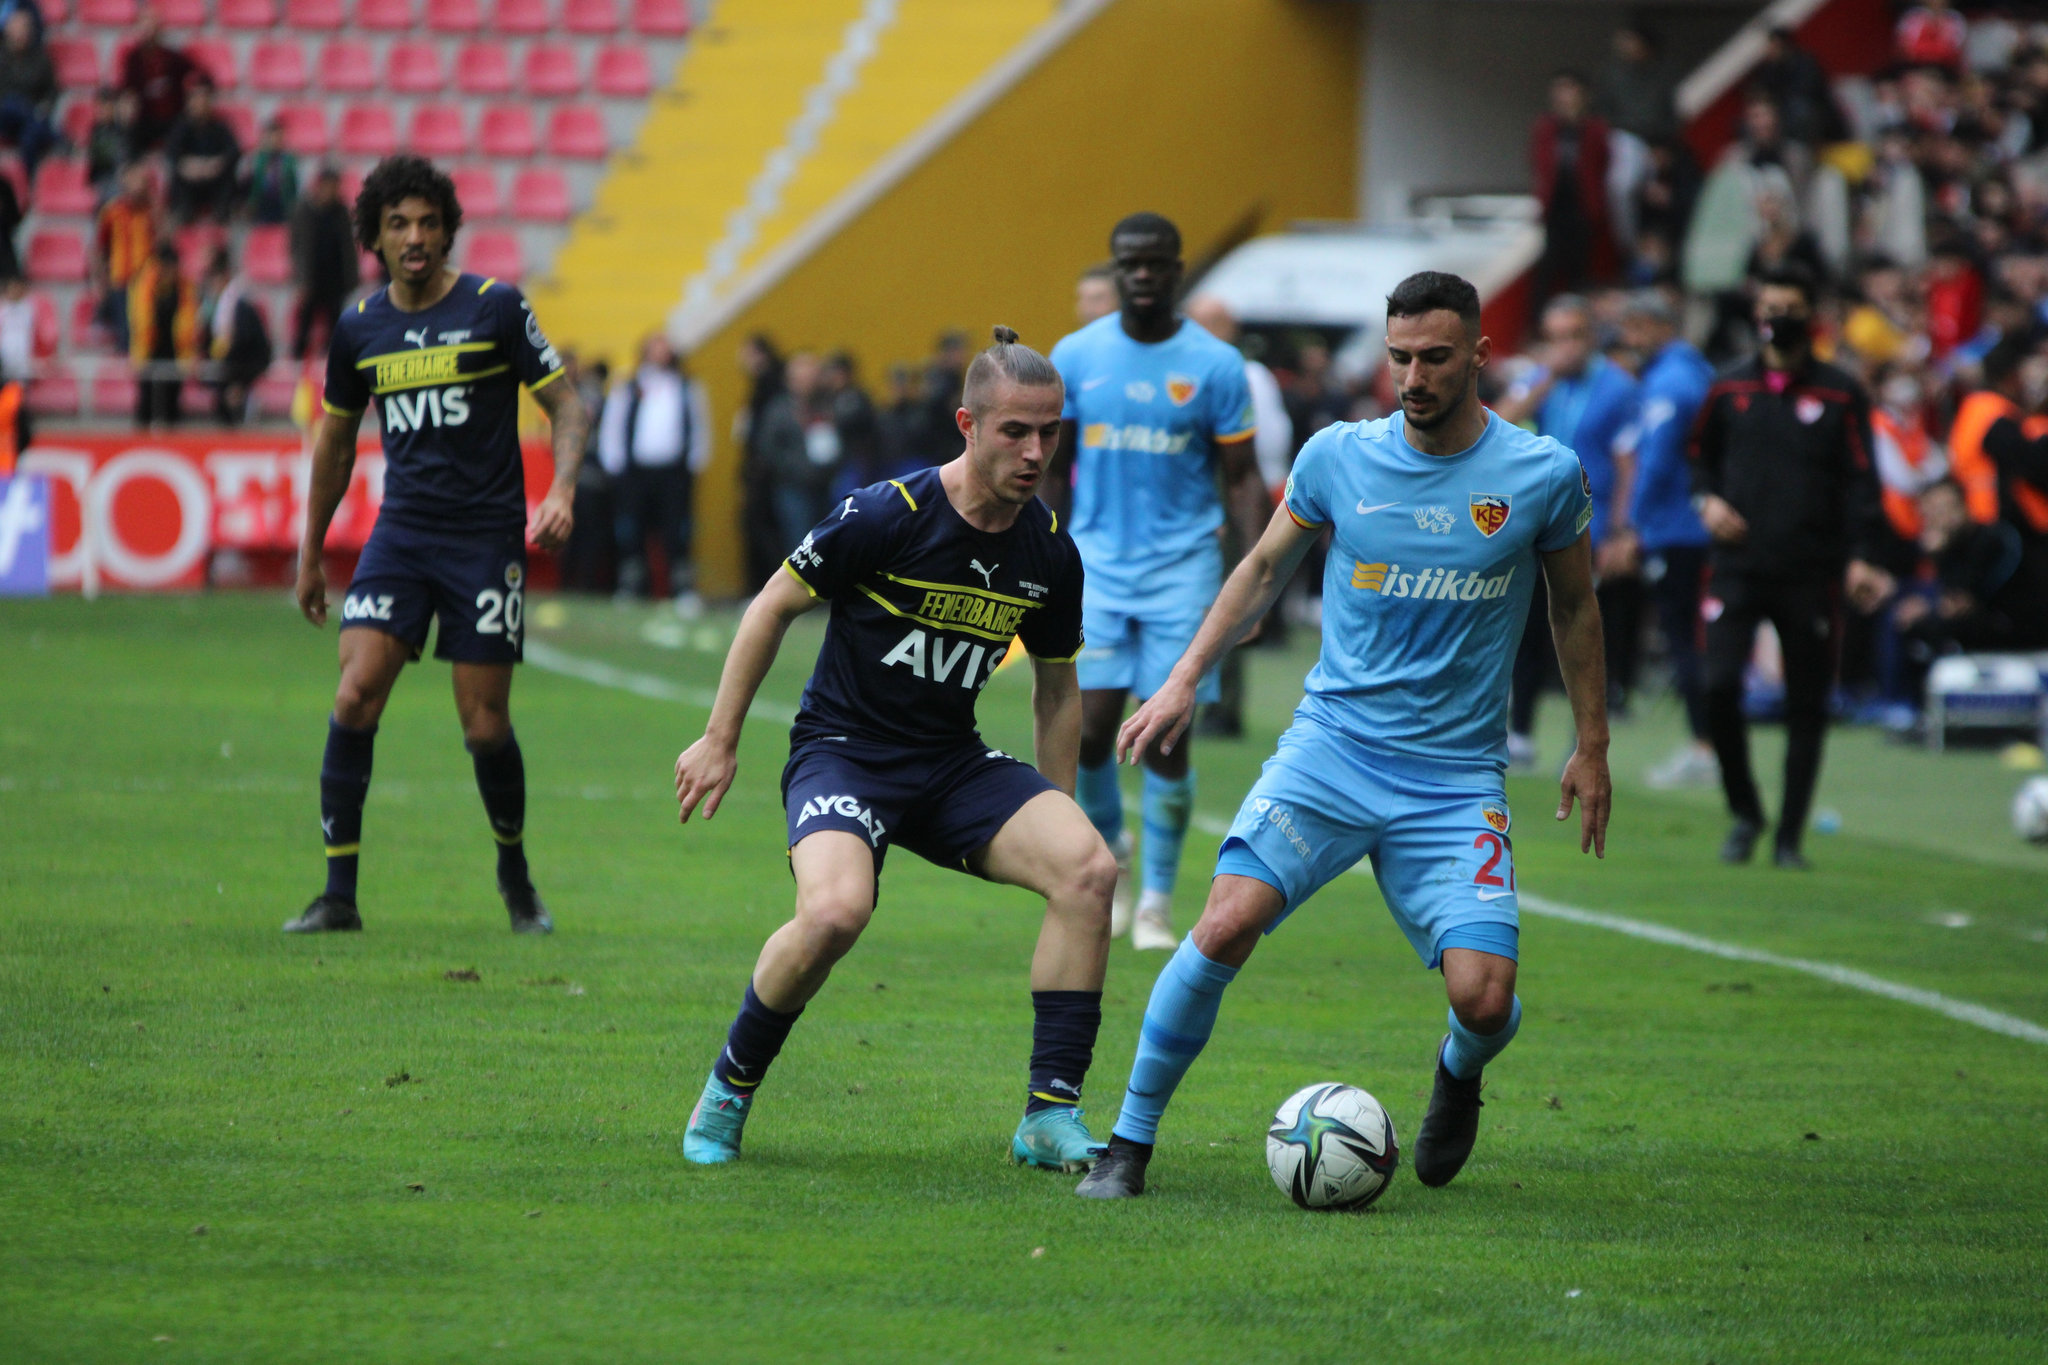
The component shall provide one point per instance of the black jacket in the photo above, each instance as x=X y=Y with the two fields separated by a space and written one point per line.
x=1795 y=462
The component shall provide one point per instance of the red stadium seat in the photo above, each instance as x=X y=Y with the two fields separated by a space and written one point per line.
x=77 y=61
x=305 y=128
x=107 y=13
x=347 y=67
x=278 y=65
x=414 y=68
x=242 y=119
x=495 y=255
x=323 y=15
x=439 y=130
x=483 y=68
x=76 y=122
x=54 y=14
x=522 y=16
x=384 y=15
x=454 y=16
x=352 y=183
x=196 y=245
x=577 y=131
x=623 y=70
x=661 y=18
x=113 y=391
x=247 y=14
x=540 y=194
x=507 y=130
x=61 y=189
x=44 y=344
x=267 y=254
x=590 y=16
x=275 y=391
x=54 y=395
x=476 y=189
x=86 y=333
x=551 y=70
x=217 y=59
x=181 y=13
x=368 y=130
x=56 y=257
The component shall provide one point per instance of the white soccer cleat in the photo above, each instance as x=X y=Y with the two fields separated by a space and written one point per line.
x=1690 y=765
x=1123 y=900
x=1152 y=927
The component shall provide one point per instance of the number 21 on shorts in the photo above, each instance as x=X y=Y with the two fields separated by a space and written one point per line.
x=1493 y=850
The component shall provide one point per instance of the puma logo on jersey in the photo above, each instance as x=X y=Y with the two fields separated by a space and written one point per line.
x=422 y=408
x=366 y=607
x=418 y=338
x=846 y=807
x=987 y=575
x=847 y=509
x=926 y=656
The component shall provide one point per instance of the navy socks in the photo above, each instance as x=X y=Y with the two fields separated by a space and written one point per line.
x=1063 y=1029
x=757 y=1035
x=501 y=780
x=344 y=783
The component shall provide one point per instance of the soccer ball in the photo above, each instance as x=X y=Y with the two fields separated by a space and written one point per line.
x=2030 y=810
x=1332 y=1146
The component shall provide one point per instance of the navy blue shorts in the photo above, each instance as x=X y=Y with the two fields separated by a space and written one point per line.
x=474 y=584
x=942 y=804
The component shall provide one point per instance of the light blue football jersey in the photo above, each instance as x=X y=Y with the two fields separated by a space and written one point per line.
x=1432 y=563
x=1151 y=416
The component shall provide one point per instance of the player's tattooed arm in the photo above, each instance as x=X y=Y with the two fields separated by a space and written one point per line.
x=705 y=770
x=334 y=463
x=1248 y=594
x=1056 y=721
x=554 y=518
x=1582 y=658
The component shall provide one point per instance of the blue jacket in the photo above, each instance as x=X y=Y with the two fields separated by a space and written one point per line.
x=1588 y=415
x=1673 y=386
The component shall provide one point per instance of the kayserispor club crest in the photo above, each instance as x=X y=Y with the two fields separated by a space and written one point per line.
x=1490 y=512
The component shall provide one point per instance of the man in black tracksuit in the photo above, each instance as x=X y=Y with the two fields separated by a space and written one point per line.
x=1783 y=480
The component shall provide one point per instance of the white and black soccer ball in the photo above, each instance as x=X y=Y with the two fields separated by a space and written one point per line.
x=2030 y=810
x=1332 y=1146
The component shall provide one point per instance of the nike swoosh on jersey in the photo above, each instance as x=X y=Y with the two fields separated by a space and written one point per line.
x=1365 y=511
x=1492 y=895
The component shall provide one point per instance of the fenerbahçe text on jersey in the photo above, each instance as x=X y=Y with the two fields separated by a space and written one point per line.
x=923 y=609
x=446 y=380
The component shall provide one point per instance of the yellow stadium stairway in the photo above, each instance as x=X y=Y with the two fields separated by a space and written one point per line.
x=776 y=108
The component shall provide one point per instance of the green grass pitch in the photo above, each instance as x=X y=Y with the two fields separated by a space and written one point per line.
x=218 y=1143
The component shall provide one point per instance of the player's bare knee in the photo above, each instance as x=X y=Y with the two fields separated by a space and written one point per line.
x=358 y=704
x=1095 y=745
x=1230 y=927
x=485 y=729
x=835 y=918
x=1485 y=1006
x=1087 y=889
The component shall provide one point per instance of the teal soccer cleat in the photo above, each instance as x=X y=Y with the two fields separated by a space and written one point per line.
x=713 y=1136
x=1054 y=1140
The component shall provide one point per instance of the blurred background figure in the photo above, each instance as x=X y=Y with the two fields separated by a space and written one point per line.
x=163 y=337
x=233 y=338
x=203 y=154
x=1095 y=294
x=325 y=264
x=800 y=451
x=270 y=180
x=1569 y=157
x=654 y=440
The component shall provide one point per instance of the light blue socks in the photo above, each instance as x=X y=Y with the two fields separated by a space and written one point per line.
x=1178 y=1019
x=1169 y=804
x=1101 y=799
x=1466 y=1053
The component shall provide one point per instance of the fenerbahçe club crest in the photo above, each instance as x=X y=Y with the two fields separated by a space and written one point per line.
x=1490 y=512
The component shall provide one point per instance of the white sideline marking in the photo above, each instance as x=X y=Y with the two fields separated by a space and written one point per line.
x=1962 y=1011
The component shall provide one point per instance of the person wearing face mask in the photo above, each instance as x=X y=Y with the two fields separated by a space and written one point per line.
x=1784 y=482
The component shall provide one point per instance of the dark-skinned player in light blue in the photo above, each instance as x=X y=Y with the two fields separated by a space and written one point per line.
x=443 y=355
x=1441 y=518
x=929 y=579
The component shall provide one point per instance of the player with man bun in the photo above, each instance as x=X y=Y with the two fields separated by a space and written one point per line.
x=929 y=579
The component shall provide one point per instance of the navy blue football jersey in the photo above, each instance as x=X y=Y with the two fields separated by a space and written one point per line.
x=446 y=380
x=924 y=607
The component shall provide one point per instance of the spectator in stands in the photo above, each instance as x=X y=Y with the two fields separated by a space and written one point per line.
x=1798 y=84
x=1932 y=34
x=163 y=332
x=1907 y=456
x=1781 y=238
x=799 y=445
x=760 y=527
x=1662 y=209
x=589 y=561
x=203 y=153
x=324 y=261
x=110 y=142
x=1886 y=325
x=11 y=215
x=156 y=74
x=1568 y=156
x=1955 y=296
x=1893 y=221
x=234 y=338
x=28 y=329
x=1764 y=142
x=897 y=425
x=1982 y=597
x=270 y=185
x=1314 y=397
x=1095 y=294
x=943 y=378
x=1638 y=93
x=122 y=240
x=28 y=88
x=654 y=441
x=853 y=417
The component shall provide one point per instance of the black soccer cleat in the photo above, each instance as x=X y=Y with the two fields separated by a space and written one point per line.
x=1119 y=1172
x=1790 y=859
x=1449 y=1128
x=1741 y=841
x=523 y=904
x=327 y=914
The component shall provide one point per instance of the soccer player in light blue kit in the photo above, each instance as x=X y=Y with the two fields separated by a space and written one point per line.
x=1442 y=517
x=1158 y=414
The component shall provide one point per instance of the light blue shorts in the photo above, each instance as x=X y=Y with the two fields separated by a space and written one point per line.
x=1133 y=646
x=1442 y=852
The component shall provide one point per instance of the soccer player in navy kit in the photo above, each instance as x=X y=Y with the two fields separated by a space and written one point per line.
x=929 y=579
x=444 y=355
